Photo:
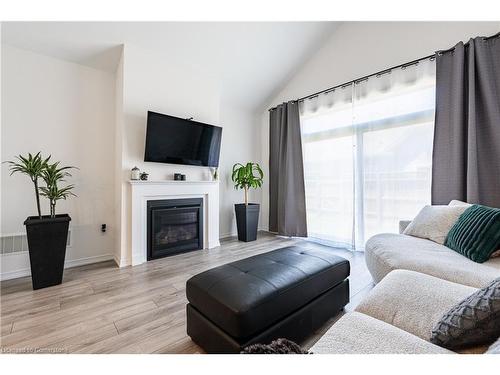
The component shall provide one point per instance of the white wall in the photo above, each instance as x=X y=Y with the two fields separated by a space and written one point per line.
x=66 y=110
x=154 y=81
x=119 y=204
x=357 y=49
x=96 y=121
x=239 y=145
x=72 y=111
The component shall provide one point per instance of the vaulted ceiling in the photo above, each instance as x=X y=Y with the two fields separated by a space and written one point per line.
x=252 y=61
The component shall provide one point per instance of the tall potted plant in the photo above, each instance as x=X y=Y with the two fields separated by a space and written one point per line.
x=47 y=234
x=245 y=177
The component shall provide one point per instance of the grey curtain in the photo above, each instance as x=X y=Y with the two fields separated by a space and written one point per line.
x=287 y=202
x=466 y=158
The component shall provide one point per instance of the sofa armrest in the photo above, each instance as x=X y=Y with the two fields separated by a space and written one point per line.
x=402 y=225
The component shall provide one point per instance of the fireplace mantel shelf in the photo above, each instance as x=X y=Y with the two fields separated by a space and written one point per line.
x=159 y=182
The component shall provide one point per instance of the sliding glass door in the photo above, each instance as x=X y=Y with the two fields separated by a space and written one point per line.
x=367 y=155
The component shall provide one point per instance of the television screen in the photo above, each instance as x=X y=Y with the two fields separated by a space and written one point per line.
x=175 y=140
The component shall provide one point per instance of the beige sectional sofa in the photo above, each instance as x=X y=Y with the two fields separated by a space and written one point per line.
x=389 y=251
x=417 y=282
x=357 y=333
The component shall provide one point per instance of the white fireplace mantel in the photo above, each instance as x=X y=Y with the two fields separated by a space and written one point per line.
x=143 y=191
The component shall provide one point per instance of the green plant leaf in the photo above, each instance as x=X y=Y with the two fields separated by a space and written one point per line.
x=32 y=166
x=247 y=176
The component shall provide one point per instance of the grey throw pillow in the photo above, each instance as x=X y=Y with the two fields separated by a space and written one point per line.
x=494 y=348
x=434 y=222
x=474 y=321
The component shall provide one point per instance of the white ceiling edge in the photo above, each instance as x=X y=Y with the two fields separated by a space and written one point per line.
x=251 y=60
x=314 y=49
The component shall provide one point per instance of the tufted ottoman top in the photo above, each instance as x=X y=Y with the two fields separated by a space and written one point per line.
x=249 y=295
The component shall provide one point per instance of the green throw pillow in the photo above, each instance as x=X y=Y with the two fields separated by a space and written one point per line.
x=476 y=234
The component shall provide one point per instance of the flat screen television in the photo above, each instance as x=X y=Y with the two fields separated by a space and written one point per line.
x=175 y=140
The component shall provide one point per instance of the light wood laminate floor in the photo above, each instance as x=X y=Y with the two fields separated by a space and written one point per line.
x=101 y=308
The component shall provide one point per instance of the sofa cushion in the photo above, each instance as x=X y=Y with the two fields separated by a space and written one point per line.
x=456 y=202
x=401 y=297
x=356 y=333
x=388 y=251
x=434 y=222
x=476 y=234
x=473 y=321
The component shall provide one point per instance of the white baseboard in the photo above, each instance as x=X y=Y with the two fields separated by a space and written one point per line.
x=23 y=258
x=123 y=262
x=227 y=235
x=23 y=272
x=15 y=274
x=235 y=233
x=213 y=244
x=88 y=260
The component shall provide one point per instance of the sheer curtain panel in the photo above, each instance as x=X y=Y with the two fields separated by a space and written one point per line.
x=368 y=153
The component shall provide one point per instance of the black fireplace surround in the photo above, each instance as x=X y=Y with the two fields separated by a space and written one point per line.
x=174 y=226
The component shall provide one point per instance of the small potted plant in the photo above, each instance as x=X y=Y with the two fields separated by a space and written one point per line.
x=247 y=214
x=47 y=234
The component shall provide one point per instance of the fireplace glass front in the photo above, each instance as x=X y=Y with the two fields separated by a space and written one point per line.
x=174 y=226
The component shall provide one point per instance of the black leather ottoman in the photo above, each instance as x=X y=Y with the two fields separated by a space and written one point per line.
x=289 y=292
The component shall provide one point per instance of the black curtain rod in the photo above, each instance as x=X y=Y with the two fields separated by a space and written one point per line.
x=357 y=80
x=385 y=71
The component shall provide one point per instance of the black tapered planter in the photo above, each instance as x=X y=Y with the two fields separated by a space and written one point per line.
x=47 y=238
x=247 y=220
